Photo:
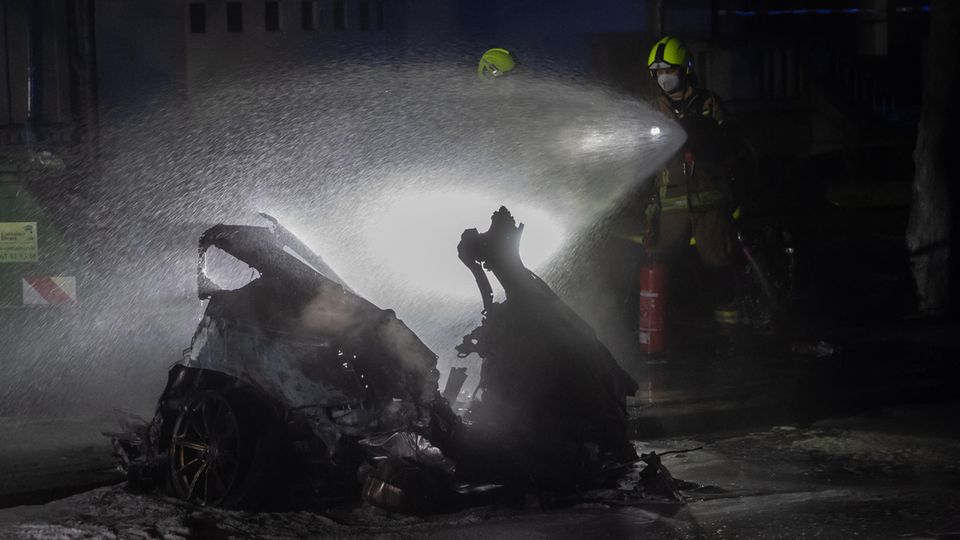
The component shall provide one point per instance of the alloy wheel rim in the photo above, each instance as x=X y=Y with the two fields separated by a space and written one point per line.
x=205 y=450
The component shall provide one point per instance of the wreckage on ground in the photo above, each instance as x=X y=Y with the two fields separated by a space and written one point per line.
x=294 y=387
x=551 y=404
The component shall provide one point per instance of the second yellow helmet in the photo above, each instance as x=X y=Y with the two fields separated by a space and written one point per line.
x=495 y=62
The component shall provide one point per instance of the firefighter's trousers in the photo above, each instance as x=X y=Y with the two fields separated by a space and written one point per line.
x=711 y=229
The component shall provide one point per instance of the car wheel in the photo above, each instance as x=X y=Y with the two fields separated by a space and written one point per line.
x=216 y=451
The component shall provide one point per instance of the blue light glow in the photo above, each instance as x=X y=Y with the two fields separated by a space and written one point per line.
x=822 y=11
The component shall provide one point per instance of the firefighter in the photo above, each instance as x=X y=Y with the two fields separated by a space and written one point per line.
x=496 y=63
x=691 y=200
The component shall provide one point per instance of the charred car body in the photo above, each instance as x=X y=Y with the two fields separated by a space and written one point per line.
x=283 y=377
x=295 y=385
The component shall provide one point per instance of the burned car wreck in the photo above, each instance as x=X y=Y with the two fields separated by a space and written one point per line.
x=283 y=377
x=295 y=389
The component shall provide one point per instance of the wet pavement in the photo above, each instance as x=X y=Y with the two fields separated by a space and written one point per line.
x=43 y=459
x=890 y=473
x=744 y=378
x=881 y=464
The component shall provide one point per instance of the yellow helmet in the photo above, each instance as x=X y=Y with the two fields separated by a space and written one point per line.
x=495 y=62
x=670 y=52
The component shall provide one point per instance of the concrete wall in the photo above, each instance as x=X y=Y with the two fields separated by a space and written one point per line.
x=144 y=47
x=560 y=31
x=339 y=28
x=139 y=50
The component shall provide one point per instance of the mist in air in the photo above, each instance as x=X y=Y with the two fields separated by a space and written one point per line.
x=379 y=168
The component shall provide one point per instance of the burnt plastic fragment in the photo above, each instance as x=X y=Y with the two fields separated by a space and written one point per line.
x=550 y=407
x=656 y=480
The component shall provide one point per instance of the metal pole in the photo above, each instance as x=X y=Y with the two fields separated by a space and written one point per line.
x=33 y=90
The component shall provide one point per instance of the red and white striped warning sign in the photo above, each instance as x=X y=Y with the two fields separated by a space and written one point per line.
x=49 y=290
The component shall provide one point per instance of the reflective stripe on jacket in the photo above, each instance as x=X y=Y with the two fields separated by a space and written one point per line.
x=699 y=187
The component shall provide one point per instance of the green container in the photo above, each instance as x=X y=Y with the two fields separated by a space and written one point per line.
x=29 y=244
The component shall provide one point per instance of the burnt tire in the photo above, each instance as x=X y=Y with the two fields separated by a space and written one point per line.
x=221 y=451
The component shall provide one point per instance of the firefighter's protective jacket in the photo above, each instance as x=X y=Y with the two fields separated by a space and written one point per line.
x=695 y=178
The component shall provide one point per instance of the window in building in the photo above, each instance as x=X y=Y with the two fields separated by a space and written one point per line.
x=380 y=15
x=309 y=15
x=364 y=14
x=339 y=15
x=198 y=18
x=234 y=17
x=271 y=16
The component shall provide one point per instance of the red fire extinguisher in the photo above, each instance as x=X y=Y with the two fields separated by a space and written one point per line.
x=652 y=305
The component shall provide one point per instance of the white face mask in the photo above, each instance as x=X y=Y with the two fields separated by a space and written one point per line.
x=668 y=81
